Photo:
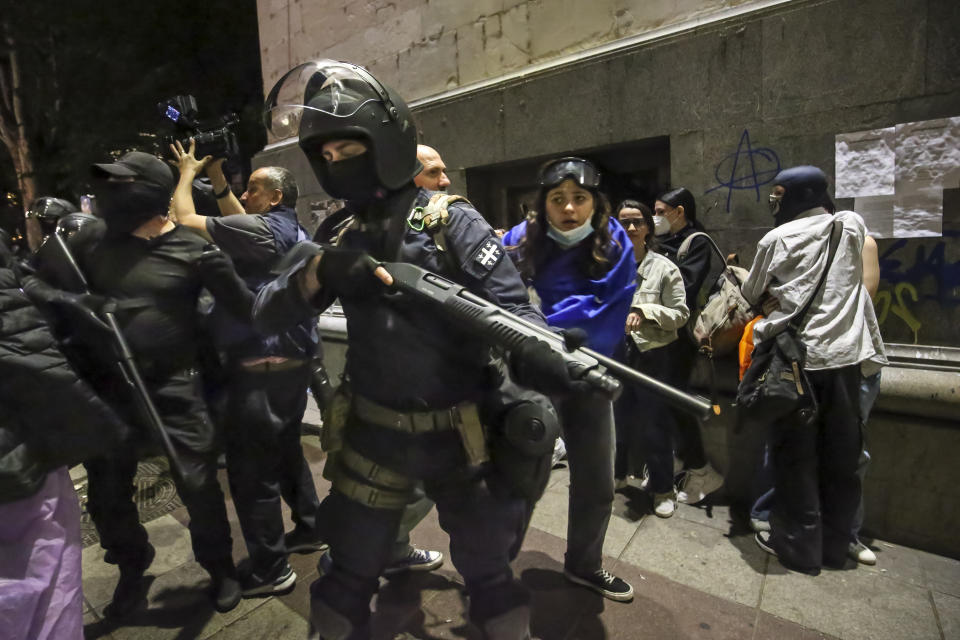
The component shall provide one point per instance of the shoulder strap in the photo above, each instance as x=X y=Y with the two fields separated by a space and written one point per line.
x=685 y=246
x=798 y=319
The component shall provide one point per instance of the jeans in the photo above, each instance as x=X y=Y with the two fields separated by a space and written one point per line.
x=586 y=421
x=265 y=461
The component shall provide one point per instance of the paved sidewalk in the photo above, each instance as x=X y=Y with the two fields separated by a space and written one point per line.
x=697 y=575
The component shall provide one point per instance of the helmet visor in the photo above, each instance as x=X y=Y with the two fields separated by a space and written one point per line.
x=335 y=88
x=581 y=171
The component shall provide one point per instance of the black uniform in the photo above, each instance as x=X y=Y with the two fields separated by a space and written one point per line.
x=155 y=284
x=404 y=359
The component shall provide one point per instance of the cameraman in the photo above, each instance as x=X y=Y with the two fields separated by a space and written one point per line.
x=267 y=376
x=154 y=272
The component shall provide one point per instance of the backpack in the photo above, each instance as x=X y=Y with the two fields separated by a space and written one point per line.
x=717 y=327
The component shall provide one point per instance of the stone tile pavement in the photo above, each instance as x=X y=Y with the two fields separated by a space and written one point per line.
x=697 y=575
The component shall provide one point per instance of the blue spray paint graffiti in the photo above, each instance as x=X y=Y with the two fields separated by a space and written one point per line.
x=746 y=168
x=946 y=275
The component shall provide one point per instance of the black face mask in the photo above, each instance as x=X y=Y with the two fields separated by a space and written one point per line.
x=352 y=179
x=124 y=206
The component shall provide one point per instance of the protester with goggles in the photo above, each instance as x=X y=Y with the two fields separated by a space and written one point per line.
x=580 y=262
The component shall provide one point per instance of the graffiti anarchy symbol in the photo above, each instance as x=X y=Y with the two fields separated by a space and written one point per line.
x=746 y=169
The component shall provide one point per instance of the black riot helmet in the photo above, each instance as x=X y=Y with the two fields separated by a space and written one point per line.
x=48 y=210
x=72 y=222
x=805 y=187
x=327 y=100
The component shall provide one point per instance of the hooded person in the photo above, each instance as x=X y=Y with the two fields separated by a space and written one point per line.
x=407 y=366
x=815 y=457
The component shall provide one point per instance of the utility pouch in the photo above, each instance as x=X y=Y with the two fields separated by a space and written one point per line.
x=468 y=424
x=334 y=422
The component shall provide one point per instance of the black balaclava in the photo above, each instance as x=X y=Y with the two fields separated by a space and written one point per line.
x=805 y=188
x=352 y=179
x=124 y=206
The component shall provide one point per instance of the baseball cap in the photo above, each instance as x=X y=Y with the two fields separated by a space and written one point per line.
x=137 y=165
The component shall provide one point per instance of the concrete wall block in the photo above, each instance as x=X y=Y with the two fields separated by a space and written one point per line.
x=553 y=31
x=559 y=113
x=863 y=52
x=467 y=133
x=513 y=43
x=386 y=70
x=943 y=46
x=471 y=56
x=391 y=36
x=322 y=27
x=429 y=67
x=452 y=14
x=266 y=7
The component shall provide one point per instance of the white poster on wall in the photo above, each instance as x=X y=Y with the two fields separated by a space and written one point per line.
x=897 y=175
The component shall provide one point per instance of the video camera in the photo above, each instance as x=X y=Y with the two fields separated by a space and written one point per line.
x=215 y=138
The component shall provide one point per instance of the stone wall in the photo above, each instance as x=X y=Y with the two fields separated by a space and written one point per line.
x=424 y=47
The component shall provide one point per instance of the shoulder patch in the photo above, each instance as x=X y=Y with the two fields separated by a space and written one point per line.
x=488 y=254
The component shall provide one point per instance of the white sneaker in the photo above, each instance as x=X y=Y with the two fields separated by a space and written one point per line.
x=699 y=483
x=559 y=452
x=862 y=553
x=664 y=505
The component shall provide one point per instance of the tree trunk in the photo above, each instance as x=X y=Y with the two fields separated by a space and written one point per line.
x=14 y=135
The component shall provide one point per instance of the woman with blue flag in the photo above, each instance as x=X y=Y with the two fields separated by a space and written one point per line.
x=580 y=262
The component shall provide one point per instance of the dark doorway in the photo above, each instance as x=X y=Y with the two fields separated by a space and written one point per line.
x=504 y=192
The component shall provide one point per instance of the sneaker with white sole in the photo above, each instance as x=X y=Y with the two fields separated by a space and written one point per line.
x=759 y=525
x=252 y=586
x=415 y=560
x=698 y=484
x=862 y=553
x=763 y=541
x=559 y=452
x=604 y=583
x=664 y=505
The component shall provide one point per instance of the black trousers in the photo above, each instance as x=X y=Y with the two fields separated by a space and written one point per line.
x=689 y=440
x=110 y=481
x=815 y=475
x=483 y=529
x=645 y=423
x=265 y=460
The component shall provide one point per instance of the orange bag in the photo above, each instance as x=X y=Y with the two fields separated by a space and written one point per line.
x=746 y=346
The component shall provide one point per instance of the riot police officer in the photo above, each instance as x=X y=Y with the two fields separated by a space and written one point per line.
x=418 y=385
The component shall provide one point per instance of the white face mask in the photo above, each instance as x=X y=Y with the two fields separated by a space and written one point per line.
x=567 y=239
x=661 y=226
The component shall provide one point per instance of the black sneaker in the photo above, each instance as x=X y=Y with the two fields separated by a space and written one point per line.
x=302 y=541
x=604 y=583
x=415 y=560
x=763 y=541
x=131 y=591
x=225 y=591
x=283 y=583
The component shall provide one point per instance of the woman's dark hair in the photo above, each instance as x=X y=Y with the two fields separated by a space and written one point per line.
x=595 y=258
x=651 y=242
x=682 y=197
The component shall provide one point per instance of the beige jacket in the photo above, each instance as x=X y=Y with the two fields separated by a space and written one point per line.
x=661 y=299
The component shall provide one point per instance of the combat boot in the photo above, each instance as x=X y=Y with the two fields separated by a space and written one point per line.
x=131 y=590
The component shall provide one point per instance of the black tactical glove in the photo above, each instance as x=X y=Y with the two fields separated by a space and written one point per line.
x=69 y=307
x=348 y=273
x=536 y=365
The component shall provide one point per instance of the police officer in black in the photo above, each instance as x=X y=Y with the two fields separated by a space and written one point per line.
x=153 y=271
x=266 y=375
x=417 y=383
